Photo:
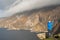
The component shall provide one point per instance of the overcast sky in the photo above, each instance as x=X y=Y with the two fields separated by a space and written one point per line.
x=10 y=7
x=5 y=3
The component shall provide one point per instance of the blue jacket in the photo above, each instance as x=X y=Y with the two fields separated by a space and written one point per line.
x=50 y=25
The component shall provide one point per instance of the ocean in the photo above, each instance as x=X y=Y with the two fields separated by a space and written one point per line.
x=17 y=35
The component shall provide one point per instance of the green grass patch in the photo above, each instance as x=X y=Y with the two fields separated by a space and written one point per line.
x=49 y=39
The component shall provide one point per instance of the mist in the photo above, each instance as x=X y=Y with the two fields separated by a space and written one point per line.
x=25 y=5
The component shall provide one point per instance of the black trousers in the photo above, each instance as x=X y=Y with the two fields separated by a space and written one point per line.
x=49 y=33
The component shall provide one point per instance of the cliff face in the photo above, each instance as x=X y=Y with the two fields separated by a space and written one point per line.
x=35 y=21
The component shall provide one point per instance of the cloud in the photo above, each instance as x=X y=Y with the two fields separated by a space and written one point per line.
x=5 y=3
x=24 y=5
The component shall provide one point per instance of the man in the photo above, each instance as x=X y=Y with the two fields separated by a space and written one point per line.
x=50 y=26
